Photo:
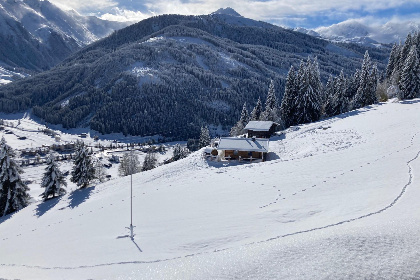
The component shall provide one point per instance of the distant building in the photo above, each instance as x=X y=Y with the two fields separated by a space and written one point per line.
x=260 y=129
x=243 y=148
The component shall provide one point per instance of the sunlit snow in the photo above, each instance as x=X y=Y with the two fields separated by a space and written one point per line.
x=337 y=199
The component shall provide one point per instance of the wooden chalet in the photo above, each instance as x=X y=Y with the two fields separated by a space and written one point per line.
x=260 y=129
x=243 y=148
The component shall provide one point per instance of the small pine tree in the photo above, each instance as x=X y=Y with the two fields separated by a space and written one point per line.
x=331 y=102
x=204 y=137
x=410 y=76
x=393 y=61
x=271 y=112
x=351 y=89
x=404 y=52
x=309 y=99
x=100 y=171
x=179 y=152
x=129 y=164
x=53 y=181
x=83 y=171
x=340 y=87
x=13 y=191
x=256 y=112
x=149 y=162
x=366 y=93
x=288 y=103
x=238 y=128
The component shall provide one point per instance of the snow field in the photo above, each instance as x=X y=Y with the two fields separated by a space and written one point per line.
x=338 y=202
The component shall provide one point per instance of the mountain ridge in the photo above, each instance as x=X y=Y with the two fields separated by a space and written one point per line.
x=171 y=74
x=37 y=35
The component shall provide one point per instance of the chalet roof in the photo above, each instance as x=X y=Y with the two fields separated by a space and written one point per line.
x=259 y=125
x=243 y=144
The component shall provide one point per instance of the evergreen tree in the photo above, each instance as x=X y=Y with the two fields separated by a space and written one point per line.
x=410 y=76
x=238 y=128
x=288 y=104
x=331 y=103
x=393 y=61
x=179 y=152
x=129 y=164
x=100 y=171
x=83 y=171
x=13 y=191
x=53 y=181
x=204 y=137
x=149 y=162
x=373 y=84
x=352 y=87
x=340 y=87
x=366 y=93
x=404 y=52
x=271 y=112
x=256 y=112
x=309 y=105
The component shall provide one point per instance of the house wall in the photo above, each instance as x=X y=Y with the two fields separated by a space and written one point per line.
x=259 y=134
x=262 y=134
x=243 y=154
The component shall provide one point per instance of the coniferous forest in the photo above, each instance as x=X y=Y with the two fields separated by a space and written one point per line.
x=170 y=75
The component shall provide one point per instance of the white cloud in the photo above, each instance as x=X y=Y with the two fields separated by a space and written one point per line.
x=282 y=12
x=271 y=8
x=123 y=15
x=85 y=6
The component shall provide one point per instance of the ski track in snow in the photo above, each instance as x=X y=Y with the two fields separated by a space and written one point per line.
x=198 y=166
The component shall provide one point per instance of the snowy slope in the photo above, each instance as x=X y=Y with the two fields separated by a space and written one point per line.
x=7 y=76
x=337 y=199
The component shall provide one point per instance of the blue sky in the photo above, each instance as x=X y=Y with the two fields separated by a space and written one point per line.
x=292 y=13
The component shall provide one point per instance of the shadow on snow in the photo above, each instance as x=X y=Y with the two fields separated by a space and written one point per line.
x=79 y=196
x=45 y=206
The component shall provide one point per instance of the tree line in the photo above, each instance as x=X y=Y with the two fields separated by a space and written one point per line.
x=403 y=69
x=307 y=100
x=196 y=70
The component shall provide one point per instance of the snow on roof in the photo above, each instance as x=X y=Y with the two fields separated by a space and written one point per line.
x=243 y=144
x=259 y=125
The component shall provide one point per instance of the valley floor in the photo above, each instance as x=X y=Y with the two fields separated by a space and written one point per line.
x=339 y=199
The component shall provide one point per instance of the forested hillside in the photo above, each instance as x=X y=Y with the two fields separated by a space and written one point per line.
x=171 y=74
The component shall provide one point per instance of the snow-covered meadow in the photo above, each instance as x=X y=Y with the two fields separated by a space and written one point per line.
x=338 y=199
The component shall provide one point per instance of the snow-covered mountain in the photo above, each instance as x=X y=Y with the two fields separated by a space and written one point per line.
x=171 y=74
x=227 y=11
x=36 y=34
x=337 y=199
x=356 y=32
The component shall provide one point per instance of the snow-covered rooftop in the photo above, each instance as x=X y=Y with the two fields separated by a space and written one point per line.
x=259 y=125
x=244 y=144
